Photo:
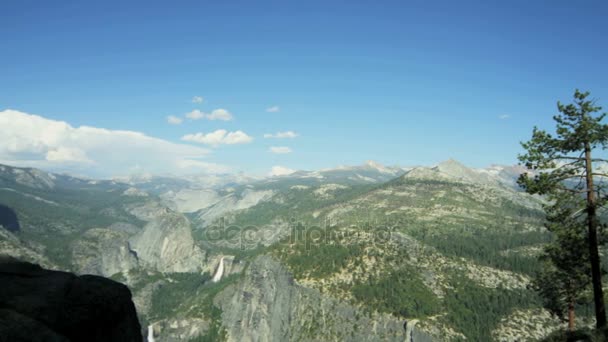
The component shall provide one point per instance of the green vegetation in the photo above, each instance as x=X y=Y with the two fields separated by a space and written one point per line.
x=563 y=281
x=475 y=311
x=580 y=335
x=176 y=289
x=216 y=332
x=470 y=308
x=296 y=204
x=322 y=260
x=190 y=294
x=401 y=293
x=489 y=247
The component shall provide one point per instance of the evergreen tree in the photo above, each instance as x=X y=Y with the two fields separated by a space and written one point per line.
x=565 y=278
x=565 y=166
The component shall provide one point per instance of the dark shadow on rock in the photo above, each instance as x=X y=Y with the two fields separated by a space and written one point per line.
x=43 y=305
x=8 y=219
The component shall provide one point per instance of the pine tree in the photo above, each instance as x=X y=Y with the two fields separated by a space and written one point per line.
x=565 y=278
x=565 y=168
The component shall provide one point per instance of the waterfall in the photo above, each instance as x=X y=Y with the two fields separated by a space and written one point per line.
x=219 y=272
x=409 y=330
x=151 y=333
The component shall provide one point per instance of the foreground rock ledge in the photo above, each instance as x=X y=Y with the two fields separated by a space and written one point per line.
x=43 y=305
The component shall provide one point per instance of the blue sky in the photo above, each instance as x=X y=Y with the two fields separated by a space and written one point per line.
x=404 y=82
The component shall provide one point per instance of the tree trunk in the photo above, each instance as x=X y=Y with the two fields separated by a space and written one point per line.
x=592 y=222
x=571 y=316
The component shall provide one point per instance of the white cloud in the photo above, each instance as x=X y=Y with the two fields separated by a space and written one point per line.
x=280 y=149
x=219 y=137
x=281 y=171
x=273 y=109
x=282 y=135
x=504 y=116
x=174 y=120
x=32 y=140
x=216 y=114
x=68 y=155
x=219 y=114
x=198 y=99
x=195 y=115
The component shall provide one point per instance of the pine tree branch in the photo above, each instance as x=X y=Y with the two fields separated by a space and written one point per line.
x=569 y=158
x=568 y=164
x=575 y=191
x=564 y=178
x=577 y=213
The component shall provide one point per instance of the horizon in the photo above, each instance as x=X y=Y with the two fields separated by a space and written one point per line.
x=111 y=89
x=372 y=163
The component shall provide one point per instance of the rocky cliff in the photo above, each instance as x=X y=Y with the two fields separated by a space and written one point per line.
x=267 y=305
x=103 y=252
x=44 y=305
x=165 y=243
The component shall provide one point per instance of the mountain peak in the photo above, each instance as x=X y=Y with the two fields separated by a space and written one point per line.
x=373 y=163
x=450 y=162
x=454 y=168
x=378 y=167
x=457 y=170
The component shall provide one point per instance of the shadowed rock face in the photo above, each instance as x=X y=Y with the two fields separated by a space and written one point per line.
x=42 y=305
x=8 y=219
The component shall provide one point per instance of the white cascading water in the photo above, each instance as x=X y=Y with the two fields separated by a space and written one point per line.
x=150 y=333
x=220 y=272
x=408 y=330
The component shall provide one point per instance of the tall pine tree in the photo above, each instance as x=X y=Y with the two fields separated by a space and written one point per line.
x=565 y=168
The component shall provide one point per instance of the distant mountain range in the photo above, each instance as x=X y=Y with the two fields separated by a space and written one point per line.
x=369 y=172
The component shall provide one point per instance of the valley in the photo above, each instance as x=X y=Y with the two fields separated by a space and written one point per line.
x=363 y=253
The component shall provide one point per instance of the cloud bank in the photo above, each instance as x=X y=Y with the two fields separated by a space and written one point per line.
x=32 y=140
